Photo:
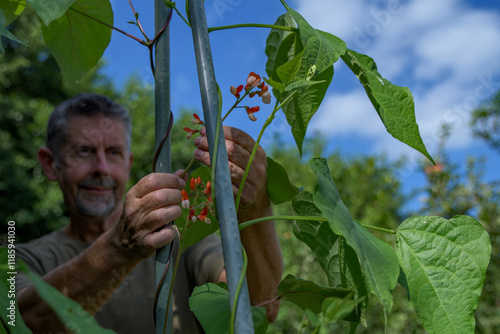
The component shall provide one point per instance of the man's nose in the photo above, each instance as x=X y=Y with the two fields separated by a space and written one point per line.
x=101 y=165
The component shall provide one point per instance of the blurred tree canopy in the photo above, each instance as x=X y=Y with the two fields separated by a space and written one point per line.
x=485 y=121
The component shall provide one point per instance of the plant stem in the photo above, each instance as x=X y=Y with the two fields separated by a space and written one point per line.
x=316 y=218
x=138 y=22
x=182 y=17
x=252 y=25
x=256 y=146
x=188 y=167
x=238 y=289
x=110 y=26
x=177 y=260
x=236 y=104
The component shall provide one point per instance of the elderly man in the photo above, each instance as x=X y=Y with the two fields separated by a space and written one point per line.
x=103 y=258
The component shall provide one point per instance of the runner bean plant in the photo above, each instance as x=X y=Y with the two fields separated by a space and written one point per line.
x=440 y=262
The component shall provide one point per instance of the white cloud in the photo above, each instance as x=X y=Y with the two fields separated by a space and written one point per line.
x=443 y=50
x=347 y=114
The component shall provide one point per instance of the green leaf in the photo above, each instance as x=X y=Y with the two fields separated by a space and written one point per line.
x=445 y=264
x=11 y=9
x=337 y=259
x=307 y=294
x=78 y=42
x=210 y=304
x=273 y=42
x=198 y=230
x=335 y=309
x=50 y=10
x=278 y=184
x=393 y=104
x=301 y=84
x=303 y=105
x=328 y=47
x=71 y=314
x=5 y=32
x=11 y=319
x=377 y=259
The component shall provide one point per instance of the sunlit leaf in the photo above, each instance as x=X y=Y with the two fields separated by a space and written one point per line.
x=445 y=264
x=393 y=104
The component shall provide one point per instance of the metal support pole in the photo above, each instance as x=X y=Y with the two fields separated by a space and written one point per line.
x=163 y=164
x=224 y=198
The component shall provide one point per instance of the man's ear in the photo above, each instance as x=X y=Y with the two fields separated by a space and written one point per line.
x=46 y=159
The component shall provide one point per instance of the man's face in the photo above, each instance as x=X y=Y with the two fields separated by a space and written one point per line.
x=95 y=165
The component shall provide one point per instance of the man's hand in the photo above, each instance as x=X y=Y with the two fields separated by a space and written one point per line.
x=149 y=206
x=239 y=146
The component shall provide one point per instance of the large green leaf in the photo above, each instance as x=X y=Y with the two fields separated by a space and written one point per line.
x=307 y=55
x=278 y=184
x=210 y=304
x=78 y=42
x=309 y=295
x=394 y=104
x=198 y=230
x=445 y=265
x=50 y=10
x=335 y=256
x=11 y=9
x=377 y=259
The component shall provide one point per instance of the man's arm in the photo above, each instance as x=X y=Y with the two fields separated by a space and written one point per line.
x=148 y=206
x=265 y=264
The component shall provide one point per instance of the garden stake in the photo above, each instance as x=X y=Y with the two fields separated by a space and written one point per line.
x=163 y=163
x=224 y=198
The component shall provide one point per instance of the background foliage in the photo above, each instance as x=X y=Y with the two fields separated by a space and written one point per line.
x=31 y=85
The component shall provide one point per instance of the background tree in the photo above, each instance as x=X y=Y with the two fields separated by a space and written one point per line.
x=485 y=121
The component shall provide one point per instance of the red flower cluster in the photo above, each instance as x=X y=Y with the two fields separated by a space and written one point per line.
x=195 y=121
x=202 y=190
x=253 y=81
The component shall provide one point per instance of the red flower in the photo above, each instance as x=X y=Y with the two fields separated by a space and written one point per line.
x=236 y=91
x=251 y=111
x=253 y=80
x=185 y=199
x=192 y=184
x=192 y=215
x=266 y=97
x=197 y=120
x=203 y=215
x=208 y=189
x=190 y=132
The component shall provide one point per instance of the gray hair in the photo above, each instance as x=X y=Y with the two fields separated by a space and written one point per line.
x=86 y=104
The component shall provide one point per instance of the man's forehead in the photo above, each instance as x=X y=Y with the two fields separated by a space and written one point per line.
x=96 y=129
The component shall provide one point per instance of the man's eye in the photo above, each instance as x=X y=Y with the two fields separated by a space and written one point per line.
x=84 y=150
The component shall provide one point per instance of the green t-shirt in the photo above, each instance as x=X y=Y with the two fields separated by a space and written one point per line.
x=129 y=309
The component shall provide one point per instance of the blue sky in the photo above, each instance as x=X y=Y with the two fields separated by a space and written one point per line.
x=447 y=52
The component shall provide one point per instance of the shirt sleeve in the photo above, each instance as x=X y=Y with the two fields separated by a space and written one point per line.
x=204 y=260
